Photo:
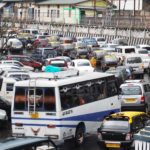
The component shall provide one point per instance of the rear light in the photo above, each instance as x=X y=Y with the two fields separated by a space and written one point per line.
x=142 y=99
x=128 y=136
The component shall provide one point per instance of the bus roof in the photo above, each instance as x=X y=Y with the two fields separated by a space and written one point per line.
x=45 y=82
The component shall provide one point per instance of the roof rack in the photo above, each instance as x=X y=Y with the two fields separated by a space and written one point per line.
x=54 y=75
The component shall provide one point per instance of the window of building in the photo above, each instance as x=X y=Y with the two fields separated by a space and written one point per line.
x=48 y=12
x=58 y=13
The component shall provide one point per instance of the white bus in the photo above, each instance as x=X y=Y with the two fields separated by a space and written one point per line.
x=63 y=108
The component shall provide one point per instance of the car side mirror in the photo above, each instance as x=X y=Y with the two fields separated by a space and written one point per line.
x=98 y=130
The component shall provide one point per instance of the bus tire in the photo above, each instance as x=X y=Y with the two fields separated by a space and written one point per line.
x=79 y=136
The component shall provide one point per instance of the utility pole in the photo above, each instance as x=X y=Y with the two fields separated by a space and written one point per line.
x=134 y=8
x=94 y=11
x=119 y=7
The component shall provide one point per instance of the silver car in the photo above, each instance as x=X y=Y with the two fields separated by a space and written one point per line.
x=135 y=95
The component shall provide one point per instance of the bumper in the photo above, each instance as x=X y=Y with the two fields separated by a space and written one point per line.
x=133 y=108
x=120 y=144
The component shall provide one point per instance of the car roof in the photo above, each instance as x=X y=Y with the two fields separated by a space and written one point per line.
x=12 y=143
x=80 y=60
x=129 y=114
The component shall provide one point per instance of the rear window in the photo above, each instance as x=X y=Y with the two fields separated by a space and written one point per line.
x=130 y=50
x=134 y=60
x=58 y=63
x=131 y=90
x=115 y=125
x=83 y=64
x=143 y=52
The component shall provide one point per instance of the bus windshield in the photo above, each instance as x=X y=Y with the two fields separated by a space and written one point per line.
x=42 y=98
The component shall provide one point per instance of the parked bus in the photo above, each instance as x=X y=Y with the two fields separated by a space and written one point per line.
x=63 y=108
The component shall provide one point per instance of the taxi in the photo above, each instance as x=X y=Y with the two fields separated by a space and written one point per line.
x=116 y=131
x=107 y=61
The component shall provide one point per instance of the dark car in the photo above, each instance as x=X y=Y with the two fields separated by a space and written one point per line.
x=28 y=143
x=41 y=54
x=26 y=60
x=117 y=130
x=107 y=61
x=5 y=105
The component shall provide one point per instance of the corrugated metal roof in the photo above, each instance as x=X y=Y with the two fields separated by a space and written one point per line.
x=59 y=2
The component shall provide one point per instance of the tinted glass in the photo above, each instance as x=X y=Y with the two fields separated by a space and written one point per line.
x=44 y=99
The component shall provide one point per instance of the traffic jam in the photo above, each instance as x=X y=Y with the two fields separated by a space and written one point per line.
x=55 y=88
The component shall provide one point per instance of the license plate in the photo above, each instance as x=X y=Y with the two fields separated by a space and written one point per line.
x=34 y=115
x=130 y=100
x=113 y=145
x=83 y=56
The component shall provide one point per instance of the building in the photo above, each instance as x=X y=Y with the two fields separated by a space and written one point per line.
x=132 y=7
x=57 y=11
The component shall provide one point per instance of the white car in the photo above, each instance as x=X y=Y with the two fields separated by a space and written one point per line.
x=82 y=65
x=135 y=61
x=142 y=46
x=17 y=63
x=100 y=40
x=4 y=67
x=14 y=43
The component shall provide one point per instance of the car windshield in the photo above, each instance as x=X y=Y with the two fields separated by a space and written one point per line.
x=110 y=58
x=115 y=125
x=83 y=64
x=131 y=90
x=134 y=60
x=34 y=32
x=143 y=52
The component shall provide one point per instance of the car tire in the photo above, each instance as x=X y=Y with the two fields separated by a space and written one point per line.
x=79 y=136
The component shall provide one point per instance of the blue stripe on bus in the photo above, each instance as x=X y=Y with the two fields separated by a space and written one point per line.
x=45 y=125
x=98 y=116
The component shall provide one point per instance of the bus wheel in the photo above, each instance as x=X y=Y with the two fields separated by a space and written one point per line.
x=79 y=137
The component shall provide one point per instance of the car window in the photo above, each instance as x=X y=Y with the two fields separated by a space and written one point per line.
x=134 y=60
x=115 y=125
x=137 y=123
x=83 y=64
x=131 y=90
x=130 y=50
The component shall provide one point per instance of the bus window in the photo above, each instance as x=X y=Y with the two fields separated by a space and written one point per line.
x=111 y=88
x=9 y=87
x=20 y=99
x=49 y=100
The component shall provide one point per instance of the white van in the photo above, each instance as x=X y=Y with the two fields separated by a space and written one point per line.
x=135 y=61
x=6 y=88
x=123 y=51
x=31 y=31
